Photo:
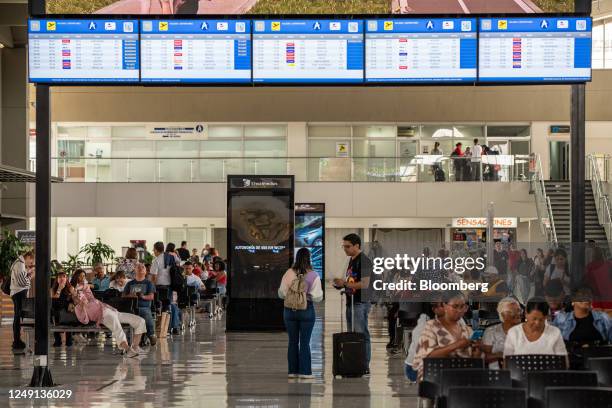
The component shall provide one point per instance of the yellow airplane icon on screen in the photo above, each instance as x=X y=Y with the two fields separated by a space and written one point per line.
x=163 y=26
x=388 y=25
x=51 y=25
x=276 y=26
x=502 y=25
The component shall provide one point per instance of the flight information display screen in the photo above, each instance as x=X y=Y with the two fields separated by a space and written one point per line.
x=421 y=50
x=535 y=49
x=196 y=51
x=83 y=51
x=307 y=51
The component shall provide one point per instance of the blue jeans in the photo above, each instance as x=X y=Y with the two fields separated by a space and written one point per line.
x=362 y=310
x=299 y=324
x=175 y=316
x=411 y=375
x=145 y=313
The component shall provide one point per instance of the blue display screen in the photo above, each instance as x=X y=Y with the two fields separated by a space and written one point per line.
x=307 y=51
x=309 y=233
x=196 y=51
x=421 y=50
x=83 y=51
x=537 y=49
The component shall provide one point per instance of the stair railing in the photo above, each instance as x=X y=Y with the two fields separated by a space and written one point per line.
x=543 y=207
x=602 y=201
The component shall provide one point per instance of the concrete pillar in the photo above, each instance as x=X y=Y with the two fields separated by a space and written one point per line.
x=14 y=131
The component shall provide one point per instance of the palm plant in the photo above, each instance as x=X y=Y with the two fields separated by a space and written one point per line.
x=97 y=252
x=72 y=264
x=10 y=249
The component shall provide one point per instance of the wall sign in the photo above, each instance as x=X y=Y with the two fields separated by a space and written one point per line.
x=559 y=129
x=342 y=149
x=499 y=222
x=177 y=131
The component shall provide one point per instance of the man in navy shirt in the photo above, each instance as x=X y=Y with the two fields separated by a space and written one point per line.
x=144 y=290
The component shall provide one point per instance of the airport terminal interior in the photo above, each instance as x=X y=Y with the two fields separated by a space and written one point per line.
x=246 y=179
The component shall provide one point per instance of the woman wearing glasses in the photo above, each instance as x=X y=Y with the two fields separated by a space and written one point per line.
x=447 y=336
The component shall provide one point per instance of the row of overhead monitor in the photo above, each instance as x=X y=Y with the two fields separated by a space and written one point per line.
x=423 y=50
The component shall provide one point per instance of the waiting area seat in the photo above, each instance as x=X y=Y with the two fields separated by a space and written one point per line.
x=487 y=397
x=575 y=397
x=432 y=368
x=470 y=377
x=603 y=367
x=539 y=381
x=520 y=365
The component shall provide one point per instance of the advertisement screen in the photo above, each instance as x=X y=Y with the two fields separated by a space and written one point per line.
x=83 y=51
x=196 y=51
x=309 y=232
x=307 y=51
x=332 y=7
x=535 y=49
x=261 y=244
x=421 y=50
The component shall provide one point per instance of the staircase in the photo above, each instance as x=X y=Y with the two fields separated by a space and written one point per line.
x=559 y=194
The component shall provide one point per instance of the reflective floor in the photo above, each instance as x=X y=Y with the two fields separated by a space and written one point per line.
x=207 y=367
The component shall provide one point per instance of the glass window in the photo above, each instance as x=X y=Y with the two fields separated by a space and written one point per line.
x=329 y=131
x=70 y=148
x=72 y=132
x=265 y=131
x=99 y=132
x=608 y=45
x=374 y=131
x=598 y=46
x=408 y=131
x=508 y=130
x=221 y=148
x=128 y=132
x=436 y=131
x=265 y=148
x=133 y=148
x=219 y=131
x=468 y=132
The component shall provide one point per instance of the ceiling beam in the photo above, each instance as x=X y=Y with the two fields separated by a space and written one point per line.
x=13 y=14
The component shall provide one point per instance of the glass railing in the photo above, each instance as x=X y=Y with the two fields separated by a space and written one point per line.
x=597 y=169
x=420 y=168
x=543 y=207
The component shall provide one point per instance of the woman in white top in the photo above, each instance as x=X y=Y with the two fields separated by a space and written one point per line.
x=299 y=323
x=535 y=336
x=119 y=281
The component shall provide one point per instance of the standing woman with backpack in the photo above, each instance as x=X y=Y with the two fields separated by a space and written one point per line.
x=300 y=287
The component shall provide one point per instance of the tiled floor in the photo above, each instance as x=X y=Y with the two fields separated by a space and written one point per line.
x=210 y=368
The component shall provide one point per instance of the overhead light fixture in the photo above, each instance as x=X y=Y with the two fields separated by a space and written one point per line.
x=1 y=45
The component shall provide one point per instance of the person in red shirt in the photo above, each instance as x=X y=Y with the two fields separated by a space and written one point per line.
x=458 y=162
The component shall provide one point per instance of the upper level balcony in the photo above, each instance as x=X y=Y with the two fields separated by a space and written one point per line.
x=405 y=169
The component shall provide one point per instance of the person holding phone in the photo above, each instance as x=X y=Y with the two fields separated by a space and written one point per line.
x=447 y=336
x=509 y=311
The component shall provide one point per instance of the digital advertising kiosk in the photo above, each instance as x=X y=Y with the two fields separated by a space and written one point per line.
x=260 y=225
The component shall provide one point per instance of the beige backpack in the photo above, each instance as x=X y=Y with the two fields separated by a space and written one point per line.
x=295 y=299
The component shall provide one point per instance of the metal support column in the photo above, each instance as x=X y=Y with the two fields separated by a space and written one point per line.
x=41 y=377
x=577 y=181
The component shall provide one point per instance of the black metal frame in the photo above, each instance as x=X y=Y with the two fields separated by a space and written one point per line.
x=42 y=375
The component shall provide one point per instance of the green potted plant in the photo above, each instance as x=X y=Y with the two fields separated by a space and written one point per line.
x=97 y=252
x=72 y=264
x=10 y=249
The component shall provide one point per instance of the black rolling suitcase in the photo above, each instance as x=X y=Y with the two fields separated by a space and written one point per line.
x=349 y=350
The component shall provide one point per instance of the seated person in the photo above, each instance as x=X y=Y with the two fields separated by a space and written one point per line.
x=437 y=312
x=556 y=298
x=119 y=281
x=584 y=325
x=199 y=271
x=60 y=293
x=509 y=311
x=128 y=263
x=447 y=336
x=144 y=290
x=100 y=282
x=535 y=335
x=89 y=309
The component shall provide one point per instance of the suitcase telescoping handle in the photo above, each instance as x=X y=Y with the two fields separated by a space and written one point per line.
x=343 y=292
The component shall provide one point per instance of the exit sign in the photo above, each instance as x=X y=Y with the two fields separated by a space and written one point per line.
x=559 y=129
